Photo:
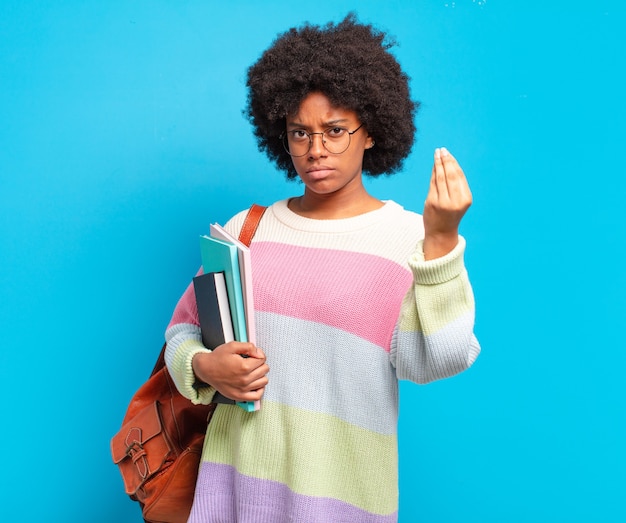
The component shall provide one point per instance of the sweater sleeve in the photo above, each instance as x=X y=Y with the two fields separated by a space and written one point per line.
x=184 y=341
x=434 y=337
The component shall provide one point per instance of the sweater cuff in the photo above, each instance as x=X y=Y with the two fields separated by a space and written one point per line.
x=188 y=385
x=438 y=270
x=199 y=395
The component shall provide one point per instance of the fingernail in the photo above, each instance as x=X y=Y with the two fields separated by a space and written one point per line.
x=444 y=151
x=437 y=153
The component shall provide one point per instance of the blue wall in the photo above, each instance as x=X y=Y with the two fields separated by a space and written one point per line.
x=121 y=139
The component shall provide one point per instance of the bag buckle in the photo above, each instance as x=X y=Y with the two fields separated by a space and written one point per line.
x=136 y=452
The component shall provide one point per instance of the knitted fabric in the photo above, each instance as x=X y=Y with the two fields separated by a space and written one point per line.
x=344 y=309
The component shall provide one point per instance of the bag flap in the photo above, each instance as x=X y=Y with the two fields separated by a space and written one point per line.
x=136 y=432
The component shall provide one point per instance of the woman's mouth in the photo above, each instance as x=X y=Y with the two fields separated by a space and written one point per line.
x=319 y=172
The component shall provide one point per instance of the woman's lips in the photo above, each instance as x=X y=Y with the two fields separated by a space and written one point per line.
x=319 y=172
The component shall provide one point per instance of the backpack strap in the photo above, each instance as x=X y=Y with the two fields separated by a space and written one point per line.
x=250 y=224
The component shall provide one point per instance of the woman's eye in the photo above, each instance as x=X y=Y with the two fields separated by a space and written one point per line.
x=335 y=132
x=299 y=135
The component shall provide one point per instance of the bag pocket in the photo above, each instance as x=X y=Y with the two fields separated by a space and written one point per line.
x=142 y=448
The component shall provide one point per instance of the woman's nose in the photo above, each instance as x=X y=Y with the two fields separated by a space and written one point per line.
x=317 y=145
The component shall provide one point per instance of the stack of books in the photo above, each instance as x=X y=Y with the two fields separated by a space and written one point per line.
x=224 y=296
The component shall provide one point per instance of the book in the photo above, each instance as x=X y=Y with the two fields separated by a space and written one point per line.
x=221 y=256
x=216 y=323
x=245 y=270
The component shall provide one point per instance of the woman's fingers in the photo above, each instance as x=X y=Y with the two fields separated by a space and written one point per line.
x=449 y=190
x=449 y=195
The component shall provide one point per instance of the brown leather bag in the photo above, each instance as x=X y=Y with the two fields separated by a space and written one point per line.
x=159 y=446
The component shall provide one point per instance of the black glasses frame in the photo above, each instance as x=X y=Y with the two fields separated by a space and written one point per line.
x=285 y=140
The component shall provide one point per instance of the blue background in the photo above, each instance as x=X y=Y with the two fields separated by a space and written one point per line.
x=122 y=139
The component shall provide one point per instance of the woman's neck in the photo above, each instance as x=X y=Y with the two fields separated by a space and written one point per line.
x=333 y=206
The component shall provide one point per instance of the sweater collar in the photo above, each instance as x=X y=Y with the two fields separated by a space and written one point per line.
x=289 y=218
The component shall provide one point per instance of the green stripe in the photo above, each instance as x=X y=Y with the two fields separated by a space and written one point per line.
x=429 y=308
x=314 y=454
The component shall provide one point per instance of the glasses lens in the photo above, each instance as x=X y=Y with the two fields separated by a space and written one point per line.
x=296 y=143
x=337 y=140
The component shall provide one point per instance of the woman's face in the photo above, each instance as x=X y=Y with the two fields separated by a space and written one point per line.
x=323 y=172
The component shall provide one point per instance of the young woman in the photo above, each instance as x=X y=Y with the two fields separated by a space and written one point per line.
x=351 y=293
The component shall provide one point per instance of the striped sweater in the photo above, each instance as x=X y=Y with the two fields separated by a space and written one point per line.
x=344 y=309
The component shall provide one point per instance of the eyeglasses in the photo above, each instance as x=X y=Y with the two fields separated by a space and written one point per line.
x=335 y=140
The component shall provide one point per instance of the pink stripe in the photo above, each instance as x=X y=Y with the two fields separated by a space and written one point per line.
x=358 y=293
x=186 y=310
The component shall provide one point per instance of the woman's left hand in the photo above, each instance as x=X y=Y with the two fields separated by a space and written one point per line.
x=448 y=199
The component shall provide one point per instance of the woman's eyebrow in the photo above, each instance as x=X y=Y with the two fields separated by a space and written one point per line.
x=298 y=125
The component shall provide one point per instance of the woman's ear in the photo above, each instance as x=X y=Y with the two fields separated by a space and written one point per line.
x=369 y=142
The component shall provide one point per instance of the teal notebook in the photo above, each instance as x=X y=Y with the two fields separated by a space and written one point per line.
x=222 y=256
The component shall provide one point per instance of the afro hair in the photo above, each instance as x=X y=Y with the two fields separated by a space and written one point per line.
x=350 y=63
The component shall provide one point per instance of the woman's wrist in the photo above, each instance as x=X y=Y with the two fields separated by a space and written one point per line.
x=438 y=245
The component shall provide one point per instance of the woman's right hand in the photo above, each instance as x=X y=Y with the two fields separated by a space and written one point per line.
x=236 y=377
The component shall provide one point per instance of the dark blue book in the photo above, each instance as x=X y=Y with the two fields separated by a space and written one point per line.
x=216 y=324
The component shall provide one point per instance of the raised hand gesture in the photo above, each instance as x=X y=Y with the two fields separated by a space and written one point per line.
x=448 y=199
